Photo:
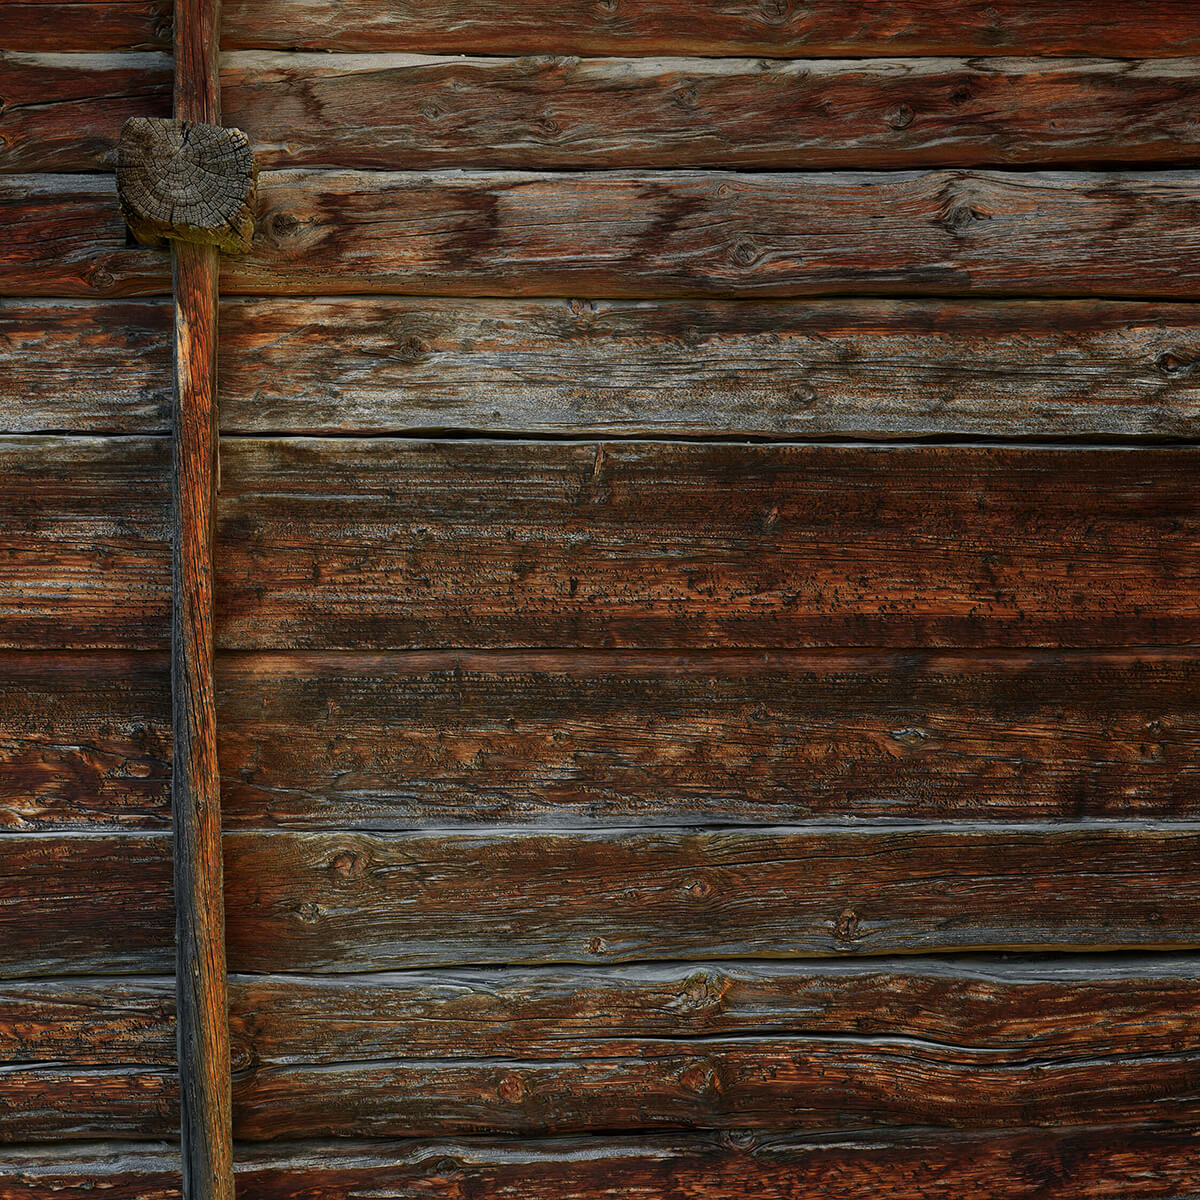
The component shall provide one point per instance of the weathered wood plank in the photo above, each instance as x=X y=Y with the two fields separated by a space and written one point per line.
x=84 y=557
x=85 y=741
x=65 y=236
x=774 y=369
x=346 y=902
x=85 y=904
x=394 y=111
x=64 y=112
x=85 y=25
x=640 y=235
x=777 y=1083
x=1152 y=28
x=1153 y=1163
x=1061 y=1009
x=382 y=543
x=575 y=739
x=76 y=366
x=202 y=999
x=52 y=1102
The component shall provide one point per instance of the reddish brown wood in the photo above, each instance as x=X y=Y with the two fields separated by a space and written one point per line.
x=84 y=557
x=85 y=741
x=773 y=369
x=400 y=112
x=641 y=235
x=85 y=904
x=65 y=112
x=120 y=366
x=559 y=739
x=346 y=901
x=345 y=543
x=774 y=28
x=85 y=25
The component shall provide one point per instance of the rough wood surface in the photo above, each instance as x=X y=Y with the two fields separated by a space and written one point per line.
x=1054 y=1009
x=64 y=112
x=773 y=28
x=120 y=366
x=576 y=739
x=186 y=181
x=345 y=901
x=85 y=904
x=85 y=25
x=380 y=543
x=84 y=555
x=85 y=741
x=396 y=111
x=773 y=369
x=639 y=235
x=65 y=236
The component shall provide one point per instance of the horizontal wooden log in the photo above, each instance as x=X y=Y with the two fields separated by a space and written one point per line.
x=1152 y=28
x=872 y=369
x=777 y=1083
x=381 y=543
x=1051 y=1009
x=639 y=235
x=400 y=740
x=402 y=112
x=119 y=356
x=64 y=112
x=85 y=25
x=347 y=902
x=84 y=557
x=85 y=741
x=1071 y=1164
x=65 y=236
x=85 y=904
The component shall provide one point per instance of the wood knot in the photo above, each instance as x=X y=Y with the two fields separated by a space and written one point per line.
x=187 y=181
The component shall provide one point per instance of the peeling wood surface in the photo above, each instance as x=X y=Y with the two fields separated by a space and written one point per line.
x=687 y=368
x=391 y=111
x=345 y=901
x=576 y=739
x=85 y=741
x=639 y=235
x=379 y=543
x=118 y=380
x=773 y=28
x=84 y=554
x=64 y=112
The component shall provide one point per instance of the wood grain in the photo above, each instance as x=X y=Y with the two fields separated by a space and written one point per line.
x=346 y=901
x=393 y=111
x=85 y=741
x=381 y=543
x=687 y=368
x=85 y=25
x=65 y=237
x=773 y=28
x=85 y=904
x=640 y=235
x=84 y=558
x=395 y=741
x=1073 y=1164
x=119 y=353
x=64 y=112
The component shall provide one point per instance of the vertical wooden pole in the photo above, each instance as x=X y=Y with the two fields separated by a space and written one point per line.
x=203 y=1010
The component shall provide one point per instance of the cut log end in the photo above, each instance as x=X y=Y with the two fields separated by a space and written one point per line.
x=187 y=181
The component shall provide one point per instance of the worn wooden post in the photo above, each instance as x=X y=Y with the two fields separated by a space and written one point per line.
x=203 y=1010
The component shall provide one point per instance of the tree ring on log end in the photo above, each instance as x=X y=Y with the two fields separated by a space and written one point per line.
x=188 y=181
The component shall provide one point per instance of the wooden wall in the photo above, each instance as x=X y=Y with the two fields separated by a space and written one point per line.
x=708 y=602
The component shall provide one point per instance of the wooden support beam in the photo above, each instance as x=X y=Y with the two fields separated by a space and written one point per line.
x=206 y=1107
